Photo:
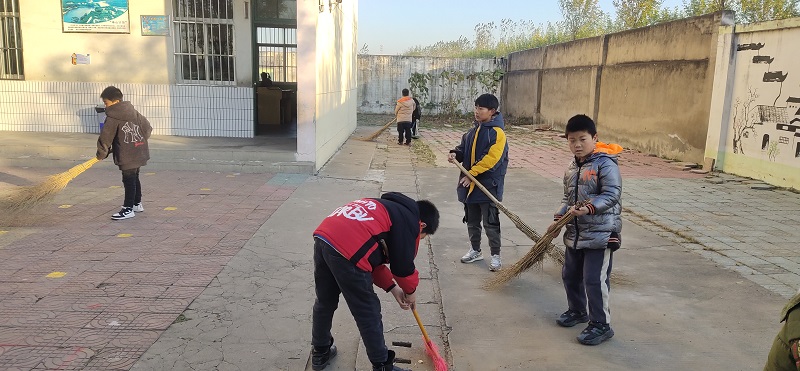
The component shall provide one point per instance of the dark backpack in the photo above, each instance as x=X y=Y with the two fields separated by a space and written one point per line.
x=417 y=111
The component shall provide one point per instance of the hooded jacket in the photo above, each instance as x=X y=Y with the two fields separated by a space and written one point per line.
x=404 y=109
x=125 y=134
x=484 y=152
x=596 y=179
x=373 y=232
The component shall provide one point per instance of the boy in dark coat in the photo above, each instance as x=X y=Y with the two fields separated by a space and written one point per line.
x=352 y=248
x=484 y=153
x=125 y=134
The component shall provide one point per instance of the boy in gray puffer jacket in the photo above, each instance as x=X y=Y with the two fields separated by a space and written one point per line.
x=593 y=236
x=125 y=134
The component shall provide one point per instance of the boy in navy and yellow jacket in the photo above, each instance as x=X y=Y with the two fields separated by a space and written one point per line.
x=484 y=153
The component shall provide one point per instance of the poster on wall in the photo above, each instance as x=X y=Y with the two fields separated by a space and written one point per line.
x=155 y=25
x=95 y=16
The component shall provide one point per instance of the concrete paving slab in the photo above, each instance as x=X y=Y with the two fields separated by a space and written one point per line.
x=676 y=304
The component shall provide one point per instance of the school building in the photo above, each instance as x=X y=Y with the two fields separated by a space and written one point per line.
x=193 y=67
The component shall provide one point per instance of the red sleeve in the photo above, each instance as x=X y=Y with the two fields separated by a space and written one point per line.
x=408 y=283
x=382 y=277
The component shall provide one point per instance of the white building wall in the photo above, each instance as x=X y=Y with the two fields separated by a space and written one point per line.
x=327 y=46
x=184 y=110
x=47 y=50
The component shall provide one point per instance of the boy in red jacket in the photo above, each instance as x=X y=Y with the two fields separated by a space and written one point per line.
x=352 y=248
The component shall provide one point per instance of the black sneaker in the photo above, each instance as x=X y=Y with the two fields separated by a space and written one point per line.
x=320 y=358
x=571 y=318
x=595 y=333
x=124 y=213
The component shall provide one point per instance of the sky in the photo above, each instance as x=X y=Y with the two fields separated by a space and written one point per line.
x=392 y=27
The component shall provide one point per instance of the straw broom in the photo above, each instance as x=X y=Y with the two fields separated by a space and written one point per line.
x=534 y=255
x=29 y=197
x=377 y=133
x=439 y=364
x=554 y=253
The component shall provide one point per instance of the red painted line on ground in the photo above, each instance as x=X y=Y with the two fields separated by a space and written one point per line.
x=70 y=358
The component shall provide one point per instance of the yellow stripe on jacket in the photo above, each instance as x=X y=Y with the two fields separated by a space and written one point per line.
x=491 y=158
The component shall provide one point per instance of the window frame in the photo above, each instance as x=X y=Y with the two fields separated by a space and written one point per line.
x=285 y=48
x=12 y=66
x=204 y=27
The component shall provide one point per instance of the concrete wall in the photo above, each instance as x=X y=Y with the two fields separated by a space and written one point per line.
x=647 y=89
x=382 y=78
x=327 y=45
x=756 y=131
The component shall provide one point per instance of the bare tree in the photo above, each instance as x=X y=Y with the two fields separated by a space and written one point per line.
x=744 y=119
x=637 y=13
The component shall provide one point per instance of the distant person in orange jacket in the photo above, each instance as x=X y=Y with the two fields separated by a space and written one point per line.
x=404 y=111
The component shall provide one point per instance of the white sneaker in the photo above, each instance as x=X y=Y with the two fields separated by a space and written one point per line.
x=472 y=256
x=495 y=264
x=124 y=213
x=138 y=208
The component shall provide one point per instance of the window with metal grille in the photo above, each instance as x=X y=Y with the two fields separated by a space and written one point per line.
x=11 y=67
x=204 y=50
x=277 y=52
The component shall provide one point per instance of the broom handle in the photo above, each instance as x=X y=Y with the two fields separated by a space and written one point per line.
x=479 y=185
x=383 y=128
x=421 y=327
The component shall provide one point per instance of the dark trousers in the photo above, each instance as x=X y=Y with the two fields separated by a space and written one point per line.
x=333 y=274
x=133 y=188
x=404 y=127
x=414 y=129
x=487 y=213
x=586 y=275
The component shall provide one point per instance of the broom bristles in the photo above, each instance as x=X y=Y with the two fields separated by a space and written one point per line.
x=439 y=364
x=29 y=197
x=535 y=255
x=377 y=133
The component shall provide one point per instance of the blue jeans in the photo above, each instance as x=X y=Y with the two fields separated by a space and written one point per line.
x=333 y=274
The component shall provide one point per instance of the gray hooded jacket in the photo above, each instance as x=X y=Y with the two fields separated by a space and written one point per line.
x=596 y=179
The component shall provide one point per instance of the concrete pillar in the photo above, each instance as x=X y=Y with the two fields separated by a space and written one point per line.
x=721 y=96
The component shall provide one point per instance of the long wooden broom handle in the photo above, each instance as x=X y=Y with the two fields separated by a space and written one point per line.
x=477 y=183
x=421 y=327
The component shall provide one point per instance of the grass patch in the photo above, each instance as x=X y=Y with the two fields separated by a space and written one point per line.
x=181 y=318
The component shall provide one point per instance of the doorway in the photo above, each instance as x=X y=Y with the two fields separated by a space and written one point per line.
x=275 y=67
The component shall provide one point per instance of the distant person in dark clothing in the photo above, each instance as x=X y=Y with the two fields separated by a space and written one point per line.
x=415 y=116
x=266 y=81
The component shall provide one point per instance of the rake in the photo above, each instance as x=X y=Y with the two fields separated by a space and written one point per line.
x=439 y=364
x=377 y=133
x=31 y=196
